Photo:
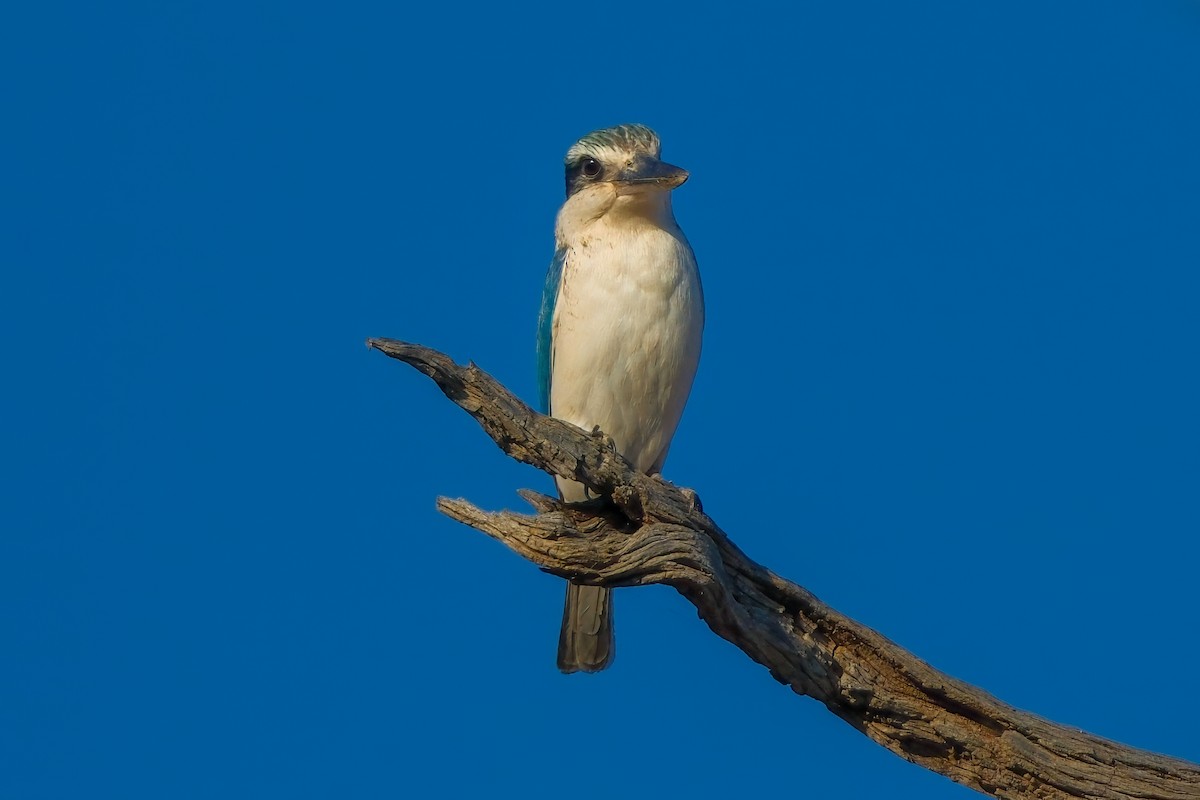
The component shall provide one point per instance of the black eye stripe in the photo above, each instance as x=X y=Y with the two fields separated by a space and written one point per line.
x=583 y=171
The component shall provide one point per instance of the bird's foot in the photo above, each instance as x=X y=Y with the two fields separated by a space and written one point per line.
x=592 y=505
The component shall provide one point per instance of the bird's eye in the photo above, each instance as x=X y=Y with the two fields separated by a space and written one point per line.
x=591 y=167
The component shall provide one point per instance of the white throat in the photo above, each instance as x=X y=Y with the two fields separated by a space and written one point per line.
x=606 y=206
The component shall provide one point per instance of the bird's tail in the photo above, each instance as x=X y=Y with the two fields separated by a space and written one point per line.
x=586 y=642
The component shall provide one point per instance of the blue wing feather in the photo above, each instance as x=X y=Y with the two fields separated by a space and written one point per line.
x=545 y=328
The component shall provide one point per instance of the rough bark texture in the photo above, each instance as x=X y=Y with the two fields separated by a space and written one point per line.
x=657 y=533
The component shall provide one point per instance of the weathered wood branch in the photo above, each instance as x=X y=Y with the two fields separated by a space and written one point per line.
x=657 y=533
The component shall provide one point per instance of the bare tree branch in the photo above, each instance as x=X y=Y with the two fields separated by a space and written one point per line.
x=658 y=533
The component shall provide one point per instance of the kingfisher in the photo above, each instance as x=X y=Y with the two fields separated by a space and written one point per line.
x=619 y=331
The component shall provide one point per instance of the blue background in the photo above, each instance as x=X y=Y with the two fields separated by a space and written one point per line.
x=949 y=383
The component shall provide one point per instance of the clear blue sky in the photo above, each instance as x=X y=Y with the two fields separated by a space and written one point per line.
x=951 y=254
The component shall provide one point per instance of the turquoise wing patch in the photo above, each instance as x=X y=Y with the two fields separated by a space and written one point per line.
x=545 y=328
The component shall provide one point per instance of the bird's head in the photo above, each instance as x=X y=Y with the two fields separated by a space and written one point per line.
x=615 y=174
x=624 y=159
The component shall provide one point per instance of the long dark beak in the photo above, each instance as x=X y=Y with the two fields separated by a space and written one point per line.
x=649 y=170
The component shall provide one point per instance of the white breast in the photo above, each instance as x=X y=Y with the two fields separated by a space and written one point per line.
x=626 y=334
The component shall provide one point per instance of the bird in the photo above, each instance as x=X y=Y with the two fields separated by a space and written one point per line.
x=619 y=331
